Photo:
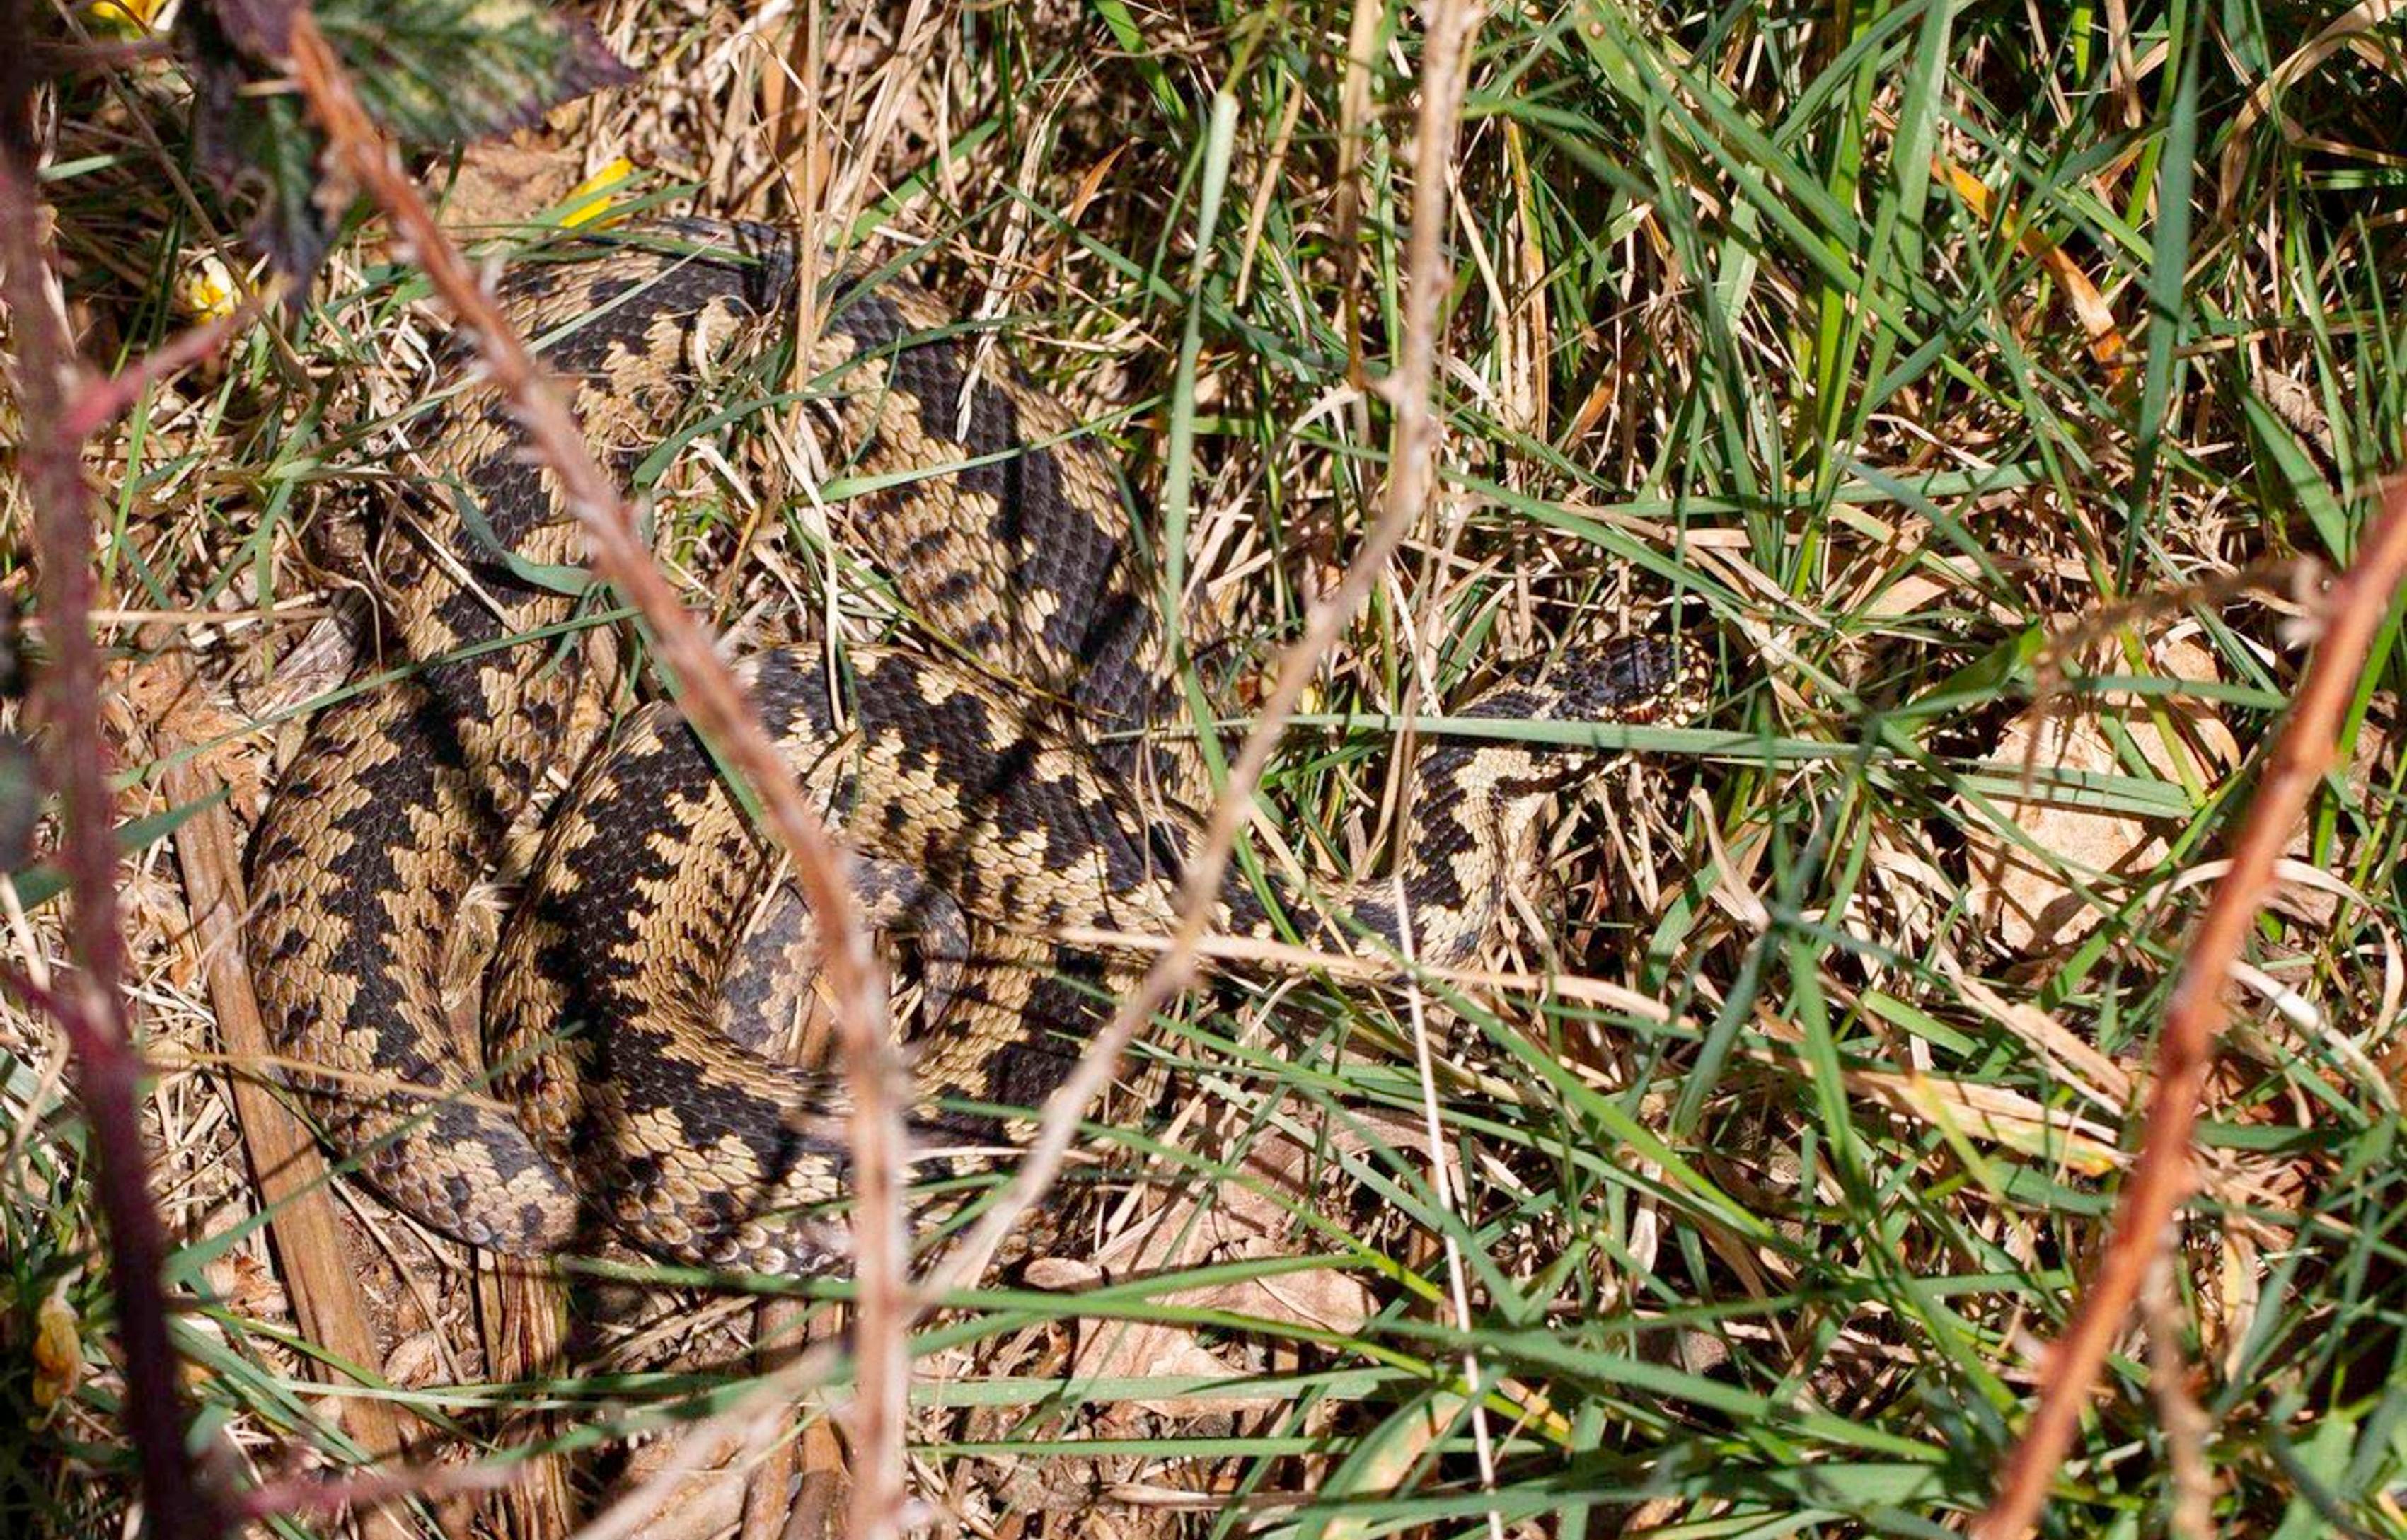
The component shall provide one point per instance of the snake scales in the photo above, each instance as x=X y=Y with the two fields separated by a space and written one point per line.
x=996 y=782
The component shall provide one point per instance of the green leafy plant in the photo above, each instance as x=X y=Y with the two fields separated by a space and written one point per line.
x=433 y=73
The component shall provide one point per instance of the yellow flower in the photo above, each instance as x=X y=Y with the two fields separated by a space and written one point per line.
x=58 y=1349
x=589 y=202
x=126 y=15
x=205 y=287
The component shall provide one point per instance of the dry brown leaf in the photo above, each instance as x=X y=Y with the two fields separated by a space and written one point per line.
x=415 y=1360
x=2029 y=900
x=163 y=698
x=706 y=1498
x=2081 y=296
x=1240 y=1221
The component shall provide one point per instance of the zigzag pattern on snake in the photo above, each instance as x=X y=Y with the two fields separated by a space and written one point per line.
x=996 y=785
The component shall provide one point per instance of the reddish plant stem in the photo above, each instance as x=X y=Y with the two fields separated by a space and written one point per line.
x=55 y=394
x=2161 y=1175
x=101 y=401
x=301 y=1496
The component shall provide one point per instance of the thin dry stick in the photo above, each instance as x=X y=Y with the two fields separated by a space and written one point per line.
x=102 y=401
x=2187 y=1425
x=53 y=393
x=318 y=1284
x=718 y=707
x=299 y=1496
x=1411 y=478
x=1458 y=1283
x=2161 y=1177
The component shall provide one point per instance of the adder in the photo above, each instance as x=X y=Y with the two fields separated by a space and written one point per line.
x=999 y=786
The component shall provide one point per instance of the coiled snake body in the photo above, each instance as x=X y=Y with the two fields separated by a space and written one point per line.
x=1008 y=793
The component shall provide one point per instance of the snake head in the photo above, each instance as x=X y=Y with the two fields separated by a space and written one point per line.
x=1635 y=681
x=1632 y=682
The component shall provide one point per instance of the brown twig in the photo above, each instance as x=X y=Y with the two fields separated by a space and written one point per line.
x=53 y=391
x=2186 y=1425
x=522 y=1321
x=321 y=1287
x=298 y=1496
x=2160 y=1177
x=769 y=1487
x=102 y=401
x=718 y=707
